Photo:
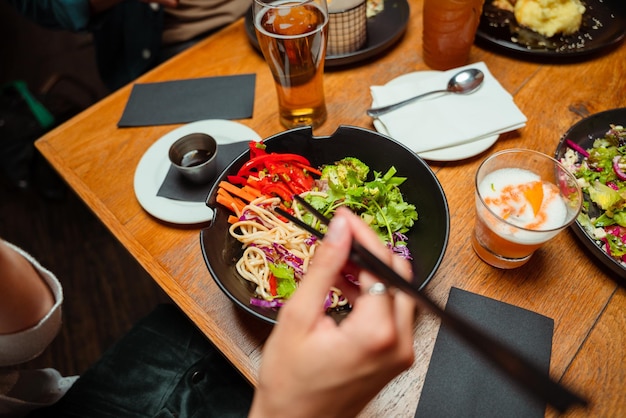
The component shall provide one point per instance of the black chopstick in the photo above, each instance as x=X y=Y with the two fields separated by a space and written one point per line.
x=522 y=371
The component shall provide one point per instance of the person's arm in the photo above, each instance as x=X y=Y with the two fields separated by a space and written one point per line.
x=313 y=367
x=25 y=298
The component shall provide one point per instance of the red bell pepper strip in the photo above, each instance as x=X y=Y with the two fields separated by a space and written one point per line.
x=293 y=188
x=301 y=178
x=270 y=188
x=279 y=190
x=262 y=161
x=256 y=148
x=294 y=177
x=239 y=180
x=273 y=285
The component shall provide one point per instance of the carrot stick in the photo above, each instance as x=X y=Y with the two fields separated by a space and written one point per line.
x=253 y=191
x=225 y=201
x=240 y=205
x=233 y=203
x=223 y=192
x=232 y=219
x=232 y=189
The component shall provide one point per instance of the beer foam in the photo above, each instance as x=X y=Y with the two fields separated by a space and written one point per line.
x=503 y=192
x=290 y=22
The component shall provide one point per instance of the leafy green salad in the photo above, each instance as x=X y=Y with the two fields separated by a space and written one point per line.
x=378 y=200
x=601 y=173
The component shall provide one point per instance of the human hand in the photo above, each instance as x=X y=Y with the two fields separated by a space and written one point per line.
x=314 y=367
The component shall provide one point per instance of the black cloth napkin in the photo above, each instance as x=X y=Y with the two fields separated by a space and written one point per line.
x=460 y=383
x=182 y=101
x=175 y=186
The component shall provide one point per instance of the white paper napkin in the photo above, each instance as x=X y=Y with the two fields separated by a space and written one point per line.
x=442 y=121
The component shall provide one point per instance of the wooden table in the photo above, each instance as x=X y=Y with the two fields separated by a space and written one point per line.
x=562 y=280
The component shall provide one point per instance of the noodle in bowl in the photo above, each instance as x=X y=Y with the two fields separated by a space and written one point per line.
x=262 y=234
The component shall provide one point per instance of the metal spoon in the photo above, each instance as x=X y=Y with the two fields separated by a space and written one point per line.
x=464 y=82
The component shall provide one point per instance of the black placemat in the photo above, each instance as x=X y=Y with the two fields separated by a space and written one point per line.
x=175 y=186
x=460 y=383
x=182 y=101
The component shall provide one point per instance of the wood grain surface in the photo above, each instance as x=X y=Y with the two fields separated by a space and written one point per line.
x=562 y=280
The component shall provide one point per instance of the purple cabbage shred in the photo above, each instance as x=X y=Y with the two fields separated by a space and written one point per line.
x=399 y=247
x=270 y=304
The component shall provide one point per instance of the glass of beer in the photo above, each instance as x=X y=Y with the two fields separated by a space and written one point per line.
x=292 y=35
x=449 y=28
x=523 y=199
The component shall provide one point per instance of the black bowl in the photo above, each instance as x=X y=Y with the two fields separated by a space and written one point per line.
x=428 y=238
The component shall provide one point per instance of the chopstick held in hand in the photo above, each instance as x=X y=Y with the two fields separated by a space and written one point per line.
x=519 y=369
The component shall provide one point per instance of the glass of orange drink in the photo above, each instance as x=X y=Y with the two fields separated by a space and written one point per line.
x=523 y=199
x=292 y=35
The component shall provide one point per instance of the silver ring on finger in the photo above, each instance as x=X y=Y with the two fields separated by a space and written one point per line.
x=377 y=289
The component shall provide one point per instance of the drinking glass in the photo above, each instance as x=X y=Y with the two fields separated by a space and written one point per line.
x=523 y=199
x=449 y=28
x=293 y=35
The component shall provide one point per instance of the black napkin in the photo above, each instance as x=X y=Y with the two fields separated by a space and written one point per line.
x=175 y=186
x=182 y=101
x=460 y=383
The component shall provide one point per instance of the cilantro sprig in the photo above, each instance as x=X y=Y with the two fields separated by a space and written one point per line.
x=378 y=201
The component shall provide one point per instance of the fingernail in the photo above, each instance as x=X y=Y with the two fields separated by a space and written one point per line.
x=336 y=228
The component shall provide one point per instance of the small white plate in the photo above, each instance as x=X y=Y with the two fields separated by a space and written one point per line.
x=154 y=165
x=457 y=152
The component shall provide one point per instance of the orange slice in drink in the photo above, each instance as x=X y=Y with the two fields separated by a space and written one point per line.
x=534 y=195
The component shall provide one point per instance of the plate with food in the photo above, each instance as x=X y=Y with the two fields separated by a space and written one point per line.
x=594 y=150
x=386 y=23
x=411 y=215
x=551 y=28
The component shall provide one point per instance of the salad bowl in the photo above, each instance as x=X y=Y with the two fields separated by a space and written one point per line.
x=427 y=239
x=583 y=134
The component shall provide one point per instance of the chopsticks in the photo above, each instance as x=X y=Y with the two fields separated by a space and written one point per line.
x=519 y=369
